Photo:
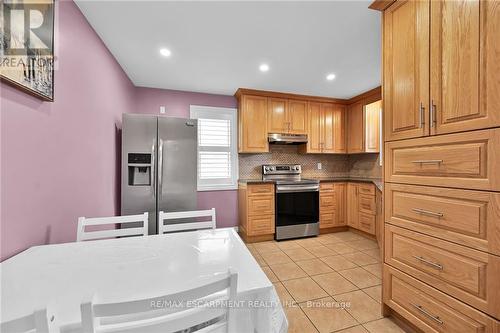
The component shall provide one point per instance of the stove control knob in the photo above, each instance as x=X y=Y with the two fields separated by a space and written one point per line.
x=272 y=168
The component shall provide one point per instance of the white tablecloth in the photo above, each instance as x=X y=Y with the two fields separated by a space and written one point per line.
x=60 y=276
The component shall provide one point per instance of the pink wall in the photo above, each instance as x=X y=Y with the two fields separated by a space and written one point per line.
x=59 y=160
x=177 y=104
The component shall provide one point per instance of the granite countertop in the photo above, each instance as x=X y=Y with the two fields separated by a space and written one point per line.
x=376 y=181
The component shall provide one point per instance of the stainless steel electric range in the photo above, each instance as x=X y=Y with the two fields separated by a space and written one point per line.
x=297 y=201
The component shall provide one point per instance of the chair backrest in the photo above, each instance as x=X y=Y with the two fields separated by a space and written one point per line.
x=130 y=222
x=37 y=321
x=162 y=227
x=205 y=307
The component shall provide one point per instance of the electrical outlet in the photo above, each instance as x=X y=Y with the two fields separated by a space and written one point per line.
x=162 y=109
x=320 y=166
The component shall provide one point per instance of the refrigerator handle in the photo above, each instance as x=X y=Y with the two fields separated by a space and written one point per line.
x=160 y=168
x=153 y=169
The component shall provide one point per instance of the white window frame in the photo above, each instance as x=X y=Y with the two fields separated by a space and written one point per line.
x=210 y=112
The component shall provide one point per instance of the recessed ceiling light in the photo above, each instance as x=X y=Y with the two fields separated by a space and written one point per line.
x=330 y=77
x=165 y=52
x=264 y=67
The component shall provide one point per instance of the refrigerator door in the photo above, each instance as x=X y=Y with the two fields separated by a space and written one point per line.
x=139 y=147
x=177 y=164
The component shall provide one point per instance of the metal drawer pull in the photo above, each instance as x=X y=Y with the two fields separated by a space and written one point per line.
x=421 y=309
x=421 y=110
x=428 y=212
x=430 y=263
x=428 y=161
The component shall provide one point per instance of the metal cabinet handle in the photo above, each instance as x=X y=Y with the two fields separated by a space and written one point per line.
x=160 y=169
x=421 y=309
x=427 y=212
x=427 y=161
x=433 y=113
x=429 y=263
x=421 y=112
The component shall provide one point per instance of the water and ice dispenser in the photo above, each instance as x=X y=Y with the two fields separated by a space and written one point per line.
x=139 y=169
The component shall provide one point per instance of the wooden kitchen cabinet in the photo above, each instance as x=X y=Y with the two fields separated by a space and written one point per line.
x=256 y=211
x=355 y=126
x=362 y=207
x=252 y=124
x=352 y=205
x=326 y=129
x=297 y=116
x=447 y=48
x=287 y=116
x=332 y=205
x=276 y=115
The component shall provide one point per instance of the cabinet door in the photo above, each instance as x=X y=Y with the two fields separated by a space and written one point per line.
x=372 y=127
x=352 y=205
x=341 y=203
x=355 y=128
x=339 y=128
x=253 y=124
x=315 y=121
x=465 y=65
x=297 y=116
x=277 y=115
x=406 y=69
x=327 y=111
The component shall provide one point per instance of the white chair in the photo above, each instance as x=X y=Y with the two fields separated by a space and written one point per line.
x=162 y=227
x=37 y=322
x=211 y=313
x=130 y=220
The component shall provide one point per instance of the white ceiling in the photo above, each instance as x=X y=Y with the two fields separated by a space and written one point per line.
x=217 y=47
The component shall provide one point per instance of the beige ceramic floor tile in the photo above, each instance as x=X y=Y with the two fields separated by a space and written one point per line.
x=321 y=251
x=374 y=292
x=334 y=283
x=308 y=242
x=375 y=253
x=278 y=257
x=327 y=316
x=288 y=271
x=291 y=244
x=364 y=244
x=299 y=254
x=360 y=258
x=384 y=325
x=329 y=239
x=304 y=289
x=338 y=262
x=253 y=251
x=361 y=278
x=285 y=297
x=362 y=307
x=314 y=266
x=260 y=261
x=270 y=274
x=348 y=236
x=341 y=248
x=354 y=329
x=298 y=321
x=265 y=247
x=375 y=269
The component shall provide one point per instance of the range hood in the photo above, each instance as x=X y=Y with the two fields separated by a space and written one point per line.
x=287 y=139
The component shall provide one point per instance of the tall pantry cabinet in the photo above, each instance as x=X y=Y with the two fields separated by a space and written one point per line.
x=441 y=102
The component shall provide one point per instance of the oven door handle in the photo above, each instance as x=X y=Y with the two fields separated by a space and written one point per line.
x=296 y=188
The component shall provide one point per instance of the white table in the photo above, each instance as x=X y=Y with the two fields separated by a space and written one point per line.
x=62 y=275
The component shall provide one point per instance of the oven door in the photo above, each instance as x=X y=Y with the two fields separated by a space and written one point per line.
x=297 y=204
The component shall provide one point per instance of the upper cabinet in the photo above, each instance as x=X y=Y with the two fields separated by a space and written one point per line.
x=252 y=124
x=441 y=67
x=363 y=124
x=287 y=116
x=326 y=129
x=297 y=116
x=277 y=120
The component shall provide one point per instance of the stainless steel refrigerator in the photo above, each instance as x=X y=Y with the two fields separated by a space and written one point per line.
x=159 y=165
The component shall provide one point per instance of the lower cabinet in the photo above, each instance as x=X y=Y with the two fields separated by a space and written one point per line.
x=256 y=211
x=362 y=207
x=332 y=205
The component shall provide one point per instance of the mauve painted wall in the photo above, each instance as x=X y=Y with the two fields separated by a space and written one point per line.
x=59 y=160
x=148 y=100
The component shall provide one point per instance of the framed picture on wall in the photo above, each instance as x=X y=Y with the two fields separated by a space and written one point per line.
x=27 y=40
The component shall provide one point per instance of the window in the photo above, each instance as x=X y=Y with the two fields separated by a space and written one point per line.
x=217 y=148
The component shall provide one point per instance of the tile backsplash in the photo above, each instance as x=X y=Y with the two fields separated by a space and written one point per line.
x=363 y=165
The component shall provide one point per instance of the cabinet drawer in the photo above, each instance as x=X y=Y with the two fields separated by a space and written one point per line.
x=466 y=217
x=258 y=189
x=327 y=200
x=366 y=189
x=327 y=219
x=326 y=187
x=261 y=205
x=431 y=310
x=260 y=225
x=464 y=160
x=367 y=223
x=367 y=204
x=469 y=275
